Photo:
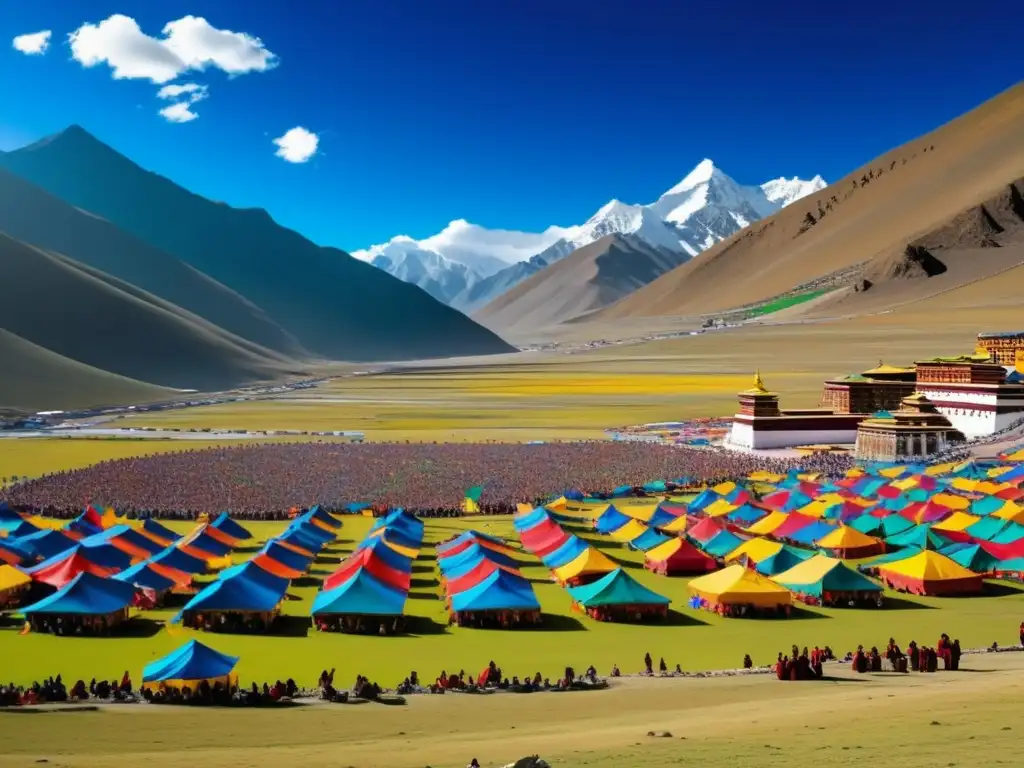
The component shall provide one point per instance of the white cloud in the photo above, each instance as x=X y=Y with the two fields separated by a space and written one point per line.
x=194 y=91
x=189 y=94
x=34 y=44
x=297 y=145
x=189 y=43
x=181 y=112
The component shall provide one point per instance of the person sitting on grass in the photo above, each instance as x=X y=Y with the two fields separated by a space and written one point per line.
x=748 y=663
x=615 y=671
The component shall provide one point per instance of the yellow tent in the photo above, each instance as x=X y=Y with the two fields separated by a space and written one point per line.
x=589 y=562
x=737 y=585
x=990 y=488
x=523 y=509
x=678 y=525
x=997 y=471
x=724 y=489
x=816 y=508
x=641 y=512
x=1011 y=511
x=768 y=523
x=892 y=472
x=557 y=505
x=719 y=508
x=958 y=521
x=810 y=477
x=628 y=531
x=756 y=549
x=940 y=469
x=12 y=578
x=906 y=483
x=845 y=537
x=930 y=573
x=950 y=500
x=965 y=484
x=762 y=476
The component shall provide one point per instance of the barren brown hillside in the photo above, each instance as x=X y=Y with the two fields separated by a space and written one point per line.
x=885 y=205
x=590 y=278
x=84 y=315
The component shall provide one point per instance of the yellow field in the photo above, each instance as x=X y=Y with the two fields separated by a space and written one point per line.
x=912 y=721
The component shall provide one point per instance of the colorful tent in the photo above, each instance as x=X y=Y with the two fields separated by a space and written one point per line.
x=920 y=536
x=930 y=573
x=372 y=563
x=820 y=575
x=848 y=543
x=324 y=519
x=164 y=534
x=889 y=557
x=360 y=595
x=890 y=525
x=795 y=522
x=12 y=554
x=628 y=532
x=382 y=550
x=661 y=517
x=44 y=544
x=588 y=564
x=11 y=578
x=146 y=575
x=289 y=558
x=253 y=571
x=649 y=539
x=782 y=561
x=501 y=591
x=610 y=520
x=85 y=595
x=705 y=529
x=172 y=557
x=471 y=555
x=721 y=545
x=617 y=588
x=738 y=585
x=756 y=549
x=226 y=525
x=974 y=557
x=201 y=543
x=956 y=522
x=190 y=665
x=64 y=568
x=987 y=528
x=570 y=549
x=237 y=594
x=472 y=575
x=677 y=557
x=767 y=525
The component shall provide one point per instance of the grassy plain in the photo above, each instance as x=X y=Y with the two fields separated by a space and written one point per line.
x=694 y=639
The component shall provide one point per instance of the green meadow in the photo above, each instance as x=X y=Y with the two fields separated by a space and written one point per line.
x=695 y=639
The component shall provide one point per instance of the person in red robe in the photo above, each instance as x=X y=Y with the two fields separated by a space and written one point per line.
x=780 y=667
x=1022 y=634
x=942 y=650
x=817 y=659
x=804 y=666
x=915 y=656
x=954 y=655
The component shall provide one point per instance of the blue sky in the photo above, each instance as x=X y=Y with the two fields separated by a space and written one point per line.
x=512 y=114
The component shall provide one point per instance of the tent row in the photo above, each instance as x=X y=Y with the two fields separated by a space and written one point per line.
x=482 y=583
x=367 y=592
x=598 y=585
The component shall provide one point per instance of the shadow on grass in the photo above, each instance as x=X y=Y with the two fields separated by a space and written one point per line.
x=902 y=604
x=556 y=622
x=1001 y=589
x=677 y=619
x=248 y=550
x=290 y=626
x=423 y=595
x=423 y=569
x=176 y=600
x=413 y=583
x=799 y=613
x=307 y=581
x=328 y=560
x=138 y=627
x=417 y=626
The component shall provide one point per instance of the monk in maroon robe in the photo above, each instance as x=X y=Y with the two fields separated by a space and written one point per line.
x=780 y=668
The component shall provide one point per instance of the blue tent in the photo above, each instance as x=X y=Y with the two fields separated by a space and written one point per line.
x=317 y=513
x=615 y=588
x=987 y=505
x=745 y=515
x=229 y=527
x=473 y=553
x=974 y=558
x=467 y=536
x=44 y=544
x=530 y=519
x=86 y=595
x=285 y=556
x=141 y=575
x=14 y=552
x=6 y=513
x=396 y=537
x=311 y=532
x=388 y=555
x=703 y=499
x=408 y=525
x=1011 y=533
x=301 y=538
x=920 y=536
x=987 y=527
x=649 y=539
x=655 y=486
x=812 y=532
x=574 y=495
x=661 y=518
x=362 y=594
x=782 y=561
x=173 y=557
x=611 y=520
x=568 y=551
x=82 y=526
x=251 y=571
x=622 y=490
x=721 y=544
x=191 y=662
x=236 y=593
x=19 y=528
x=127 y=534
x=501 y=591
x=98 y=550
x=149 y=525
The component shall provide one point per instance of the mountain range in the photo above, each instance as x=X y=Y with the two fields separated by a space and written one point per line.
x=126 y=278
x=468 y=266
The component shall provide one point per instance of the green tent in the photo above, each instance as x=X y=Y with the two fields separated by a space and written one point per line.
x=615 y=588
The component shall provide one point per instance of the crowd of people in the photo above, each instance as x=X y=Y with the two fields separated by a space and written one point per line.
x=264 y=482
x=807 y=665
x=492 y=678
x=360 y=625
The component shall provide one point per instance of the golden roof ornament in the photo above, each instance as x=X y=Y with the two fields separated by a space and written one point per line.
x=758 y=384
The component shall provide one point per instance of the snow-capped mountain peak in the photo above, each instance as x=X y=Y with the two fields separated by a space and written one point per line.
x=702 y=173
x=783 y=191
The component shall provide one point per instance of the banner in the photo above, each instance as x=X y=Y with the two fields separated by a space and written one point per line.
x=1018 y=359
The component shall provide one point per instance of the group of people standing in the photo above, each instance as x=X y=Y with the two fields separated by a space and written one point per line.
x=917 y=658
x=802 y=665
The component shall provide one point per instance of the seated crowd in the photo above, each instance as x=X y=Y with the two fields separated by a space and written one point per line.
x=229 y=621
x=360 y=625
x=74 y=624
x=495 y=619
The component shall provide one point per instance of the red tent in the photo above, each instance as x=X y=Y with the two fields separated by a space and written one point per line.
x=546 y=548
x=64 y=571
x=706 y=529
x=365 y=558
x=793 y=523
x=677 y=557
x=474 y=576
